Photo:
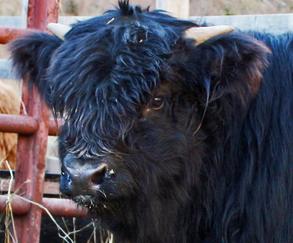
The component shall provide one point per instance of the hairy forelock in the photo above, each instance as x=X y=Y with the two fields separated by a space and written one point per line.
x=106 y=69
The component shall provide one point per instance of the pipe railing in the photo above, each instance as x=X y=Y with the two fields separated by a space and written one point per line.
x=25 y=125
x=56 y=206
x=33 y=127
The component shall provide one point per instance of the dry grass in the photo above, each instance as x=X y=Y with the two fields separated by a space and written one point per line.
x=10 y=231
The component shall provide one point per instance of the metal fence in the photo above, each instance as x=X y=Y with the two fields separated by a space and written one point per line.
x=33 y=127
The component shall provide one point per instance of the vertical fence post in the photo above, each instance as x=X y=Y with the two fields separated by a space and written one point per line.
x=30 y=170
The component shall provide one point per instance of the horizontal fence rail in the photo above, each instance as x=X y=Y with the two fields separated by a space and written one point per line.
x=8 y=34
x=56 y=206
x=25 y=124
x=18 y=124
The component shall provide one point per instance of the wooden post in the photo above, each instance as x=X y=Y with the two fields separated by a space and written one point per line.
x=177 y=8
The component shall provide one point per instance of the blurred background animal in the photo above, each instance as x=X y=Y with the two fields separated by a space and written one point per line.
x=9 y=104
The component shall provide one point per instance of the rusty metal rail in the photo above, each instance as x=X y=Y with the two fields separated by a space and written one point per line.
x=59 y=207
x=33 y=127
x=18 y=124
x=25 y=124
x=9 y=34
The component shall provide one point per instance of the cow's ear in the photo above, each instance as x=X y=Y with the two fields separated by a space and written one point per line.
x=233 y=64
x=31 y=56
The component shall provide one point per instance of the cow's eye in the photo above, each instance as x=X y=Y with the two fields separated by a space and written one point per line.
x=157 y=103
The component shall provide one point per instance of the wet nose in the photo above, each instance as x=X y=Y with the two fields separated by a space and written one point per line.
x=83 y=180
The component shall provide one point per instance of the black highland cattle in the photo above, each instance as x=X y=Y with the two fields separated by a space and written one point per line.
x=168 y=136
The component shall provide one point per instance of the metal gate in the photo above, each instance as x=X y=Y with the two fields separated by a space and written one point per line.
x=33 y=127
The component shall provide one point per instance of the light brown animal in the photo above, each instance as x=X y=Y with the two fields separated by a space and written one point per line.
x=9 y=104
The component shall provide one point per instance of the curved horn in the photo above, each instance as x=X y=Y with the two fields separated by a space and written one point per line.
x=59 y=30
x=202 y=34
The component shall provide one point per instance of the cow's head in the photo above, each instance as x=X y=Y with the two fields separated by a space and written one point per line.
x=144 y=106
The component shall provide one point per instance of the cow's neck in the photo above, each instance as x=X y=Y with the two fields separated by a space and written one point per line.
x=160 y=222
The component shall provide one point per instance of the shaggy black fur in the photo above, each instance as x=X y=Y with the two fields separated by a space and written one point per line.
x=200 y=137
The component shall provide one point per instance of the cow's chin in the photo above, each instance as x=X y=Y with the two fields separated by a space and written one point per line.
x=92 y=203
x=86 y=201
x=98 y=205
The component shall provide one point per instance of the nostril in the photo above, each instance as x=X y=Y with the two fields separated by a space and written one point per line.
x=99 y=174
x=65 y=184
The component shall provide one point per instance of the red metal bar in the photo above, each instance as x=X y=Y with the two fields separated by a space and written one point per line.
x=19 y=207
x=26 y=124
x=18 y=124
x=56 y=206
x=31 y=167
x=53 y=11
x=32 y=149
x=63 y=207
x=8 y=34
